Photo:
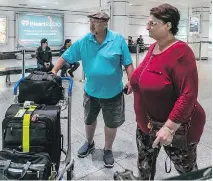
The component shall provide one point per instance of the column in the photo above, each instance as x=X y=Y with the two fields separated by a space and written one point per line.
x=119 y=16
x=199 y=31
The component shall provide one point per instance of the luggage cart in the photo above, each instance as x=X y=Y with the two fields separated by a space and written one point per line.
x=68 y=162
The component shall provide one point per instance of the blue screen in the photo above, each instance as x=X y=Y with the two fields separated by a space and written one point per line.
x=32 y=28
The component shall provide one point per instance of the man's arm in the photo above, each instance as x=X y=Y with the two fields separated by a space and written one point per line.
x=58 y=65
x=129 y=70
x=127 y=63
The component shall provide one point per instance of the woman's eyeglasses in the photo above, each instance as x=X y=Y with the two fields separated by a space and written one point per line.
x=153 y=23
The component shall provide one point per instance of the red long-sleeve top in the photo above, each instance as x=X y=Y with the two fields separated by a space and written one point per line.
x=166 y=87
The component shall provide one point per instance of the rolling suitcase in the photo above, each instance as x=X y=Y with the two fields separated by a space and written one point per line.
x=33 y=129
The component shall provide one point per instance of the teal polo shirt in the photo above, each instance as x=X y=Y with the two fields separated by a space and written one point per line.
x=102 y=63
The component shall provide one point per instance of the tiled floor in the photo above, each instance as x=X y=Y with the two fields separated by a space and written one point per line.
x=125 y=152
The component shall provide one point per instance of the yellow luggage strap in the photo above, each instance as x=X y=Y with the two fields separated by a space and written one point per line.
x=26 y=129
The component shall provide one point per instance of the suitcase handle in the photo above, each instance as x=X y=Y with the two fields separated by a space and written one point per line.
x=16 y=86
x=23 y=173
x=70 y=84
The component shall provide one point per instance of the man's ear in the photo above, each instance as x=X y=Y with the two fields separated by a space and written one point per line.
x=106 y=24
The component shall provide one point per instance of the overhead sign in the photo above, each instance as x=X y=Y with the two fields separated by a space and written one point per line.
x=31 y=28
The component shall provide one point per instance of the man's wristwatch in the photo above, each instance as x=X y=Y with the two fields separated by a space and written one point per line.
x=172 y=132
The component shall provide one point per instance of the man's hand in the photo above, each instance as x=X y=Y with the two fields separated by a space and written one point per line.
x=54 y=71
x=164 y=137
x=58 y=65
x=129 y=88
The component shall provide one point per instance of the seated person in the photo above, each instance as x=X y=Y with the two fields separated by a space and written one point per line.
x=44 y=57
x=67 y=67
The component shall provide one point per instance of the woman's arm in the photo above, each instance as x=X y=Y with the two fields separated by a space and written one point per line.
x=185 y=81
x=184 y=77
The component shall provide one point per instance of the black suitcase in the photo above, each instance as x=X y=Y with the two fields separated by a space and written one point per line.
x=41 y=88
x=16 y=165
x=44 y=132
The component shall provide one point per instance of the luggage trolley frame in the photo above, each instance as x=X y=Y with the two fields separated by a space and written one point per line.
x=68 y=162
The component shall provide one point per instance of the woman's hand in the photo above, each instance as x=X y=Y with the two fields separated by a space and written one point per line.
x=164 y=137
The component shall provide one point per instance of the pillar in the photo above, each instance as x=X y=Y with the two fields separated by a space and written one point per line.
x=119 y=15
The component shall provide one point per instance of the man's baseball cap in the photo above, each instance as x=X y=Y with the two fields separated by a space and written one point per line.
x=44 y=40
x=100 y=15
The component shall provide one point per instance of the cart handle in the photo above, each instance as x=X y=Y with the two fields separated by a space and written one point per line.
x=62 y=78
x=70 y=84
x=16 y=86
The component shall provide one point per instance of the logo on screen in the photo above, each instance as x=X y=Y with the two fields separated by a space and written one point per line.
x=32 y=23
x=25 y=22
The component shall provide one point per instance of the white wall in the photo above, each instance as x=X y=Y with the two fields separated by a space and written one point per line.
x=76 y=25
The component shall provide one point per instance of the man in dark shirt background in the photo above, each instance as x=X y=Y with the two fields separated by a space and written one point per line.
x=44 y=57
x=70 y=68
x=140 y=43
x=130 y=44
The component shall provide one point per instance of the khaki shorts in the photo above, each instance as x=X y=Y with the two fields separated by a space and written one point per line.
x=113 y=110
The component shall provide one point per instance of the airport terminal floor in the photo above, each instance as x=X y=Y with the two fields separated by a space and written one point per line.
x=124 y=148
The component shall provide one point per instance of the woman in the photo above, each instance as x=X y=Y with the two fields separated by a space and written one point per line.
x=70 y=68
x=165 y=87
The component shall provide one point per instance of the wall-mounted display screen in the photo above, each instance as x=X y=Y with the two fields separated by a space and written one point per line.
x=194 y=24
x=3 y=29
x=31 y=28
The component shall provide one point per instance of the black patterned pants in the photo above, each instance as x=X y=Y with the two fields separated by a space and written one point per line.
x=183 y=160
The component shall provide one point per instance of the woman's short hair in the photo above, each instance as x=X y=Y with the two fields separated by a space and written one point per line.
x=167 y=13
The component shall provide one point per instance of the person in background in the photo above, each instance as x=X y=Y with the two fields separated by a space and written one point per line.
x=165 y=87
x=67 y=67
x=103 y=52
x=44 y=57
x=140 y=42
x=131 y=44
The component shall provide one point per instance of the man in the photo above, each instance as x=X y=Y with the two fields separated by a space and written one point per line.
x=44 y=57
x=131 y=45
x=70 y=68
x=140 y=43
x=103 y=52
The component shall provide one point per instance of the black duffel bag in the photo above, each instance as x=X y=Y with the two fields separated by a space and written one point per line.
x=41 y=88
x=16 y=165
